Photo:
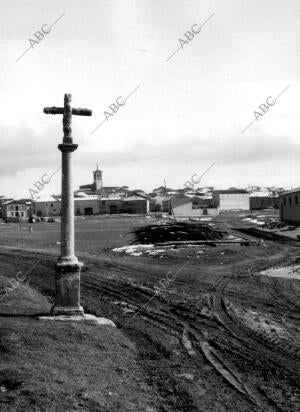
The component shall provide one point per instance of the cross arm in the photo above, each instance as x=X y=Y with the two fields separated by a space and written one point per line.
x=61 y=110
x=54 y=110
x=82 y=112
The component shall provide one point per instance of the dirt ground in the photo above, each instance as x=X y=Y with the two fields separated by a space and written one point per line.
x=212 y=334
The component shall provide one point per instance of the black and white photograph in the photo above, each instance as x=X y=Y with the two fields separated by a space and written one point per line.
x=149 y=206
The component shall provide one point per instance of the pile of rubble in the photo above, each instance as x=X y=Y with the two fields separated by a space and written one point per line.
x=273 y=224
x=175 y=231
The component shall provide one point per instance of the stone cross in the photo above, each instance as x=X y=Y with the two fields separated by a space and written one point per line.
x=67 y=279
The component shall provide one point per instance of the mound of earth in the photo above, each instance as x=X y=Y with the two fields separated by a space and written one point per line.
x=20 y=298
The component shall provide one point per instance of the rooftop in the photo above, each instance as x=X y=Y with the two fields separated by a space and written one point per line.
x=46 y=199
x=230 y=191
x=286 y=192
x=261 y=194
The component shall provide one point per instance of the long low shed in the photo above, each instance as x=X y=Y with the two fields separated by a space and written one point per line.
x=289 y=206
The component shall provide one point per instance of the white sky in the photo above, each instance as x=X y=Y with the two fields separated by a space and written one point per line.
x=187 y=113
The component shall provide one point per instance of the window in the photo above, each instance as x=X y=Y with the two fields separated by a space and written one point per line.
x=51 y=205
x=103 y=202
x=296 y=199
x=284 y=201
x=290 y=200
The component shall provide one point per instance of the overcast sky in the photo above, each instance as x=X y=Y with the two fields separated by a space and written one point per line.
x=187 y=113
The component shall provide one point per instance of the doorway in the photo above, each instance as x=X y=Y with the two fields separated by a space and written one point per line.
x=112 y=209
x=88 y=211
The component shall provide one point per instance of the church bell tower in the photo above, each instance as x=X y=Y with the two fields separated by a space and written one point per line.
x=98 y=183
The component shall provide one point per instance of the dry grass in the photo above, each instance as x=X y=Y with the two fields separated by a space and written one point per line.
x=56 y=366
x=20 y=298
x=64 y=366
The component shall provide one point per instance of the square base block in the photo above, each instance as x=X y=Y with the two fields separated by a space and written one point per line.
x=67 y=289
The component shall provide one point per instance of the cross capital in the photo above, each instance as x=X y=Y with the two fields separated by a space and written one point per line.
x=67 y=111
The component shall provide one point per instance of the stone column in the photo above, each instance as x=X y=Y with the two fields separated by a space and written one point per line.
x=67 y=280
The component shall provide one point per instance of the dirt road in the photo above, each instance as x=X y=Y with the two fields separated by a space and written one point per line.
x=216 y=337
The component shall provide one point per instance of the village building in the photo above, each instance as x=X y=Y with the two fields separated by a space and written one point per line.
x=47 y=206
x=136 y=204
x=263 y=200
x=97 y=188
x=185 y=206
x=138 y=192
x=3 y=200
x=87 y=205
x=51 y=206
x=200 y=191
x=15 y=210
x=131 y=204
x=110 y=205
x=93 y=205
x=160 y=203
x=289 y=206
x=160 y=198
x=231 y=199
x=95 y=199
x=163 y=191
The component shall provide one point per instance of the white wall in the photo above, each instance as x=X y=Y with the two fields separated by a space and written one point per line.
x=234 y=201
x=186 y=210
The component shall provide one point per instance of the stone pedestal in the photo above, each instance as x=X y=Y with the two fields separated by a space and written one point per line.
x=67 y=289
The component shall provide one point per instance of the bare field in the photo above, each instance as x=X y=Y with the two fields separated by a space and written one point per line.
x=93 y=234
x=213 y=335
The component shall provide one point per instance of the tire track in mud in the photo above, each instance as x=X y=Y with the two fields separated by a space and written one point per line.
x=253 y=392
x=275 y=288
x=264 y=336
x=165 y=320
x=201 y=331
x=178 y=327
x=261 y=340
x=292 y=304
x=227 y=371
x=239 y=329
x=221 y=314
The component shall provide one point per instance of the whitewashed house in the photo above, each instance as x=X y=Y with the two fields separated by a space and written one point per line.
x=185 y=206
x=231 y=199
